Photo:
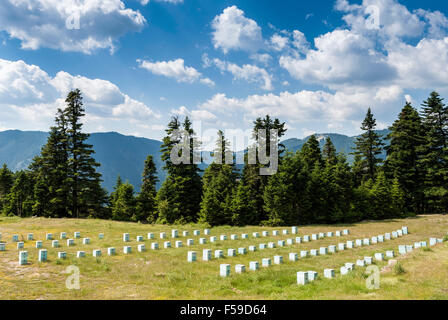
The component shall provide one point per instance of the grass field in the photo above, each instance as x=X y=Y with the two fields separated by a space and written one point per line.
x=165 y=273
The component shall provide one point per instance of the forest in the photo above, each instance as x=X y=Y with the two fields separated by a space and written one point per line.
x=311 y=186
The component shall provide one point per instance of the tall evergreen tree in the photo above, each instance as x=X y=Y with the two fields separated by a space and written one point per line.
x=6 y=182
x=124 y=204
x=368 y=146
x=20 y=199
x=180 y=195
x=311 y=152
x=219 y=183
x=435 y=152
x=50 y=171
x=86 y=194
x=285 y=198
x=146 y=200
x=253 y=183
x=406 y=138
x=329 y=153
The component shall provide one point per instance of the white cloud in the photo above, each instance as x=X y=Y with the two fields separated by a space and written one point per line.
x=341 y=57
x=196 y=115
x=30 y=103
x=263 y=58
x=247 y=72
x=438 y=23
x=394 y=19
x=175 y=69
x=233 y=31
x=145 y=2
x=278 y=42
x=44 y=23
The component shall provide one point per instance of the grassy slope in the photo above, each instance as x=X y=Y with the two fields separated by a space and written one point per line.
x=165 y=274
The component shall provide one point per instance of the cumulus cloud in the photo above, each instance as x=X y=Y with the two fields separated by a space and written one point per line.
x=68 y=25
x=360 y=56
x=175 y=69
x=341 y=57
x=145 y=2
x=247 y=72
x=197 y=115
x=233 y=31
x=393 y=18
x=29 y=98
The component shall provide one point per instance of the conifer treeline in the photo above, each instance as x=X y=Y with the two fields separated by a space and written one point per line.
x=311 y=185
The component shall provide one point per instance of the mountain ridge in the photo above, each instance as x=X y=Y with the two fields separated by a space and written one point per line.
x=124 y=155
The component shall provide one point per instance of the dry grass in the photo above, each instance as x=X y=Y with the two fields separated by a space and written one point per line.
x=165 y=274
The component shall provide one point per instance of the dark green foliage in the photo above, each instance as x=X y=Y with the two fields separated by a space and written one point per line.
x=219 y=183
x=6 y=181
x=368 y=147
x=65 y=179
x=83 y=180
x=311 y=153
x=435 y=153
x=146 y=200
x=253 y=184
x=124 y=203
x=310 y=186
x=19 y=201
x=329 y=153
x=406 y=140
x=180 y=195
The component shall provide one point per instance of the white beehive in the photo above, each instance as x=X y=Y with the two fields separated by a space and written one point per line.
x=278 y=259
x=266 y=262
x=302 y=278
x=191 y=257
x=224 y=270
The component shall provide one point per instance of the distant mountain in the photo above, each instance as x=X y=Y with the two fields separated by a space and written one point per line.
x=125 y=155
x=118 y=154
x=342 y=143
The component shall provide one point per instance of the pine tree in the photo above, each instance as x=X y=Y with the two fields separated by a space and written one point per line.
x=398 y=199
x=86 y=194
x=368 y=146
x=254 y=183
x=435 y=152
x=20 y=199
x=311 y=152
x=285 y=195
x=329 y=153
x=146 y=200
x=406 y=138
x=50 y=171
x=6 y=182
x=180 y=195
x=124 y=204
x=219 y=182
x=382 y=204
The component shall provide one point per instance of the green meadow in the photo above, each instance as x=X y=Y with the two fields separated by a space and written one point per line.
x=166 y=274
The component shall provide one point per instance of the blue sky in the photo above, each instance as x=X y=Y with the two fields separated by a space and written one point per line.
x=318 y=65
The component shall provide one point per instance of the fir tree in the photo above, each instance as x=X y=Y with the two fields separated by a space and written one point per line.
x=86 y=194
x=435 y=152
x=368 y=146
x=6 y=182
x=285 y=195
x=253 y=182
x=311 y=152
x=180 y=195
x=402 y=162
x=20 y=199
x=329 y=153
x=146 y=200
x=50 y=171
x=219 y=182
x=124 y=204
